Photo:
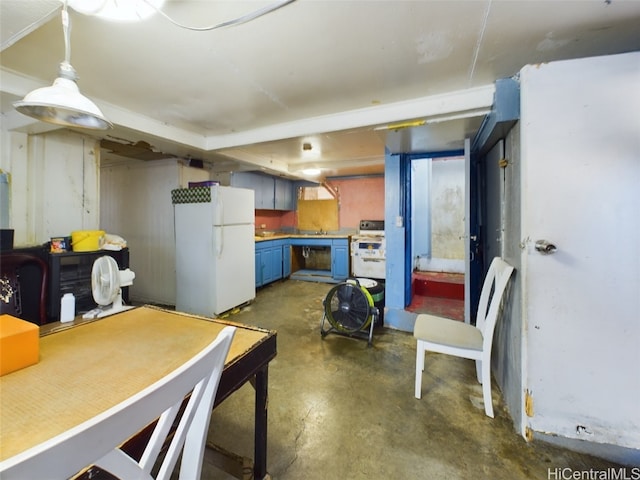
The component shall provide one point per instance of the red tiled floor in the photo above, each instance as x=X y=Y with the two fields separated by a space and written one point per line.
x=438 y=293
x=438 y=284
x=441 y=276
x=444 y=307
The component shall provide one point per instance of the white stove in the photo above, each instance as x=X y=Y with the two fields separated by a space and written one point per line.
x=368 y=250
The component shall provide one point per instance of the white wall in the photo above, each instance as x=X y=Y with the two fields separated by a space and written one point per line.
x=136 y=204
x=421 y=212
x=53 y=184
x=54 y=189
x=446 y=207
x=580 y=184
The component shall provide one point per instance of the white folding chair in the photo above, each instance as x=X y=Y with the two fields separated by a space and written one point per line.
x=443 y=335
x=96 y=441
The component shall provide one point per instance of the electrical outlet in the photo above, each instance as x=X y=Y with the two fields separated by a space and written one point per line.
x=263 y=225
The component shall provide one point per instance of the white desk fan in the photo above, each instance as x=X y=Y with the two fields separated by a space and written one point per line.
x=106 y=286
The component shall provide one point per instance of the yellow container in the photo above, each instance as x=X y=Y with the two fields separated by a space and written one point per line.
x=87 y=240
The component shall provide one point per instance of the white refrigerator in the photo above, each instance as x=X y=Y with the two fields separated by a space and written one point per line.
x=215 y=249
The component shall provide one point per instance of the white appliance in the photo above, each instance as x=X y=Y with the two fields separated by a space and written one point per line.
x=107 y=281
x=368 y=250
x=215 y=248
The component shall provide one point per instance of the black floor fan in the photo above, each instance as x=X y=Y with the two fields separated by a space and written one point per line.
x=349 y=309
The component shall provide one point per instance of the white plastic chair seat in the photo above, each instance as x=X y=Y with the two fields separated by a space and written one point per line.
x=451 y=337
x=447 y=332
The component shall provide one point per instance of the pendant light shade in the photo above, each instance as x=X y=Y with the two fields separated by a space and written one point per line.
x=62 y=103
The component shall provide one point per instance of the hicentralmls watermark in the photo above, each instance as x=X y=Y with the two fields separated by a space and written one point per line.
x=620 y=473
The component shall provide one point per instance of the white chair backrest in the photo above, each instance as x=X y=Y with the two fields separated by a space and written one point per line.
x=96 y=441
x=493 y=288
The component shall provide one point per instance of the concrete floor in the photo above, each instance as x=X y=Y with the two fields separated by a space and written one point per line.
x=341 y=410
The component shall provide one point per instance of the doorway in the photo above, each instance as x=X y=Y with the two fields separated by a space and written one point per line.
x=438 y=200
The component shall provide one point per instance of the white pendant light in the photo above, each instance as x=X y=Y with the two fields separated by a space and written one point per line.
x=62 y=103
x=118 y=10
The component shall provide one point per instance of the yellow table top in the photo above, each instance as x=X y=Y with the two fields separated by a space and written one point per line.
x=91 y=367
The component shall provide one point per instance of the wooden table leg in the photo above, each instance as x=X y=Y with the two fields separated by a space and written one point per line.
x=260 y=441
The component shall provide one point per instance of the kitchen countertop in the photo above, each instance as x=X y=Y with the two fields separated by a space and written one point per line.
x=279 y=236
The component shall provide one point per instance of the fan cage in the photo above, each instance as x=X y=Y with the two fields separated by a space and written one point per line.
x=105 y=281
x=348 y=307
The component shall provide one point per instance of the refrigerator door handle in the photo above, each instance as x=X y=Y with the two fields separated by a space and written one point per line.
x=219 y=213
x=218 y=240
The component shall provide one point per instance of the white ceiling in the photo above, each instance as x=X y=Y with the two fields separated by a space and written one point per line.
x=327 y=72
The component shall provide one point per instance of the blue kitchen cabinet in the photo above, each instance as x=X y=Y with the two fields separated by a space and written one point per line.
x=258 y=267
x=340 y=259
x=262 y=185
x=264 y=264
x=339 y=268
x=286 y=259
x=243 y=180
x=269 y=261
x=268 y=274
x=276 y=262
x=273 y=260
x=265 y=192
x=271 y=193
x=284 y=194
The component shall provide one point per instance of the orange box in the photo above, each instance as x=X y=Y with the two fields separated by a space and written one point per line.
x=19 y=344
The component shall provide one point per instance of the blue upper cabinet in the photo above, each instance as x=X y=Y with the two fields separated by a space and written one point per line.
x=256 y=182
x=284 y=194
x=264 y=192
x=271 y=193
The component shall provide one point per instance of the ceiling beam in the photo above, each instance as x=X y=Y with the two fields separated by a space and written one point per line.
x=178 y=141
x=432 y=107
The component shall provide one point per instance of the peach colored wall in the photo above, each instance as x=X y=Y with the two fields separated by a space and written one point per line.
x=360 y=199
x=275 y=219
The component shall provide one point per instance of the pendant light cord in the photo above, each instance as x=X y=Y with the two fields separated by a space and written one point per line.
x=66 y=32
x=236 y=21
x=66 y=25
x=66 y=70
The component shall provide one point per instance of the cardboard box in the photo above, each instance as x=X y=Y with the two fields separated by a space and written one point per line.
x=19 y=344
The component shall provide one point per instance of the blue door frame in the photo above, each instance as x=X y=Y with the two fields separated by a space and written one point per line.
x=398 y=231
